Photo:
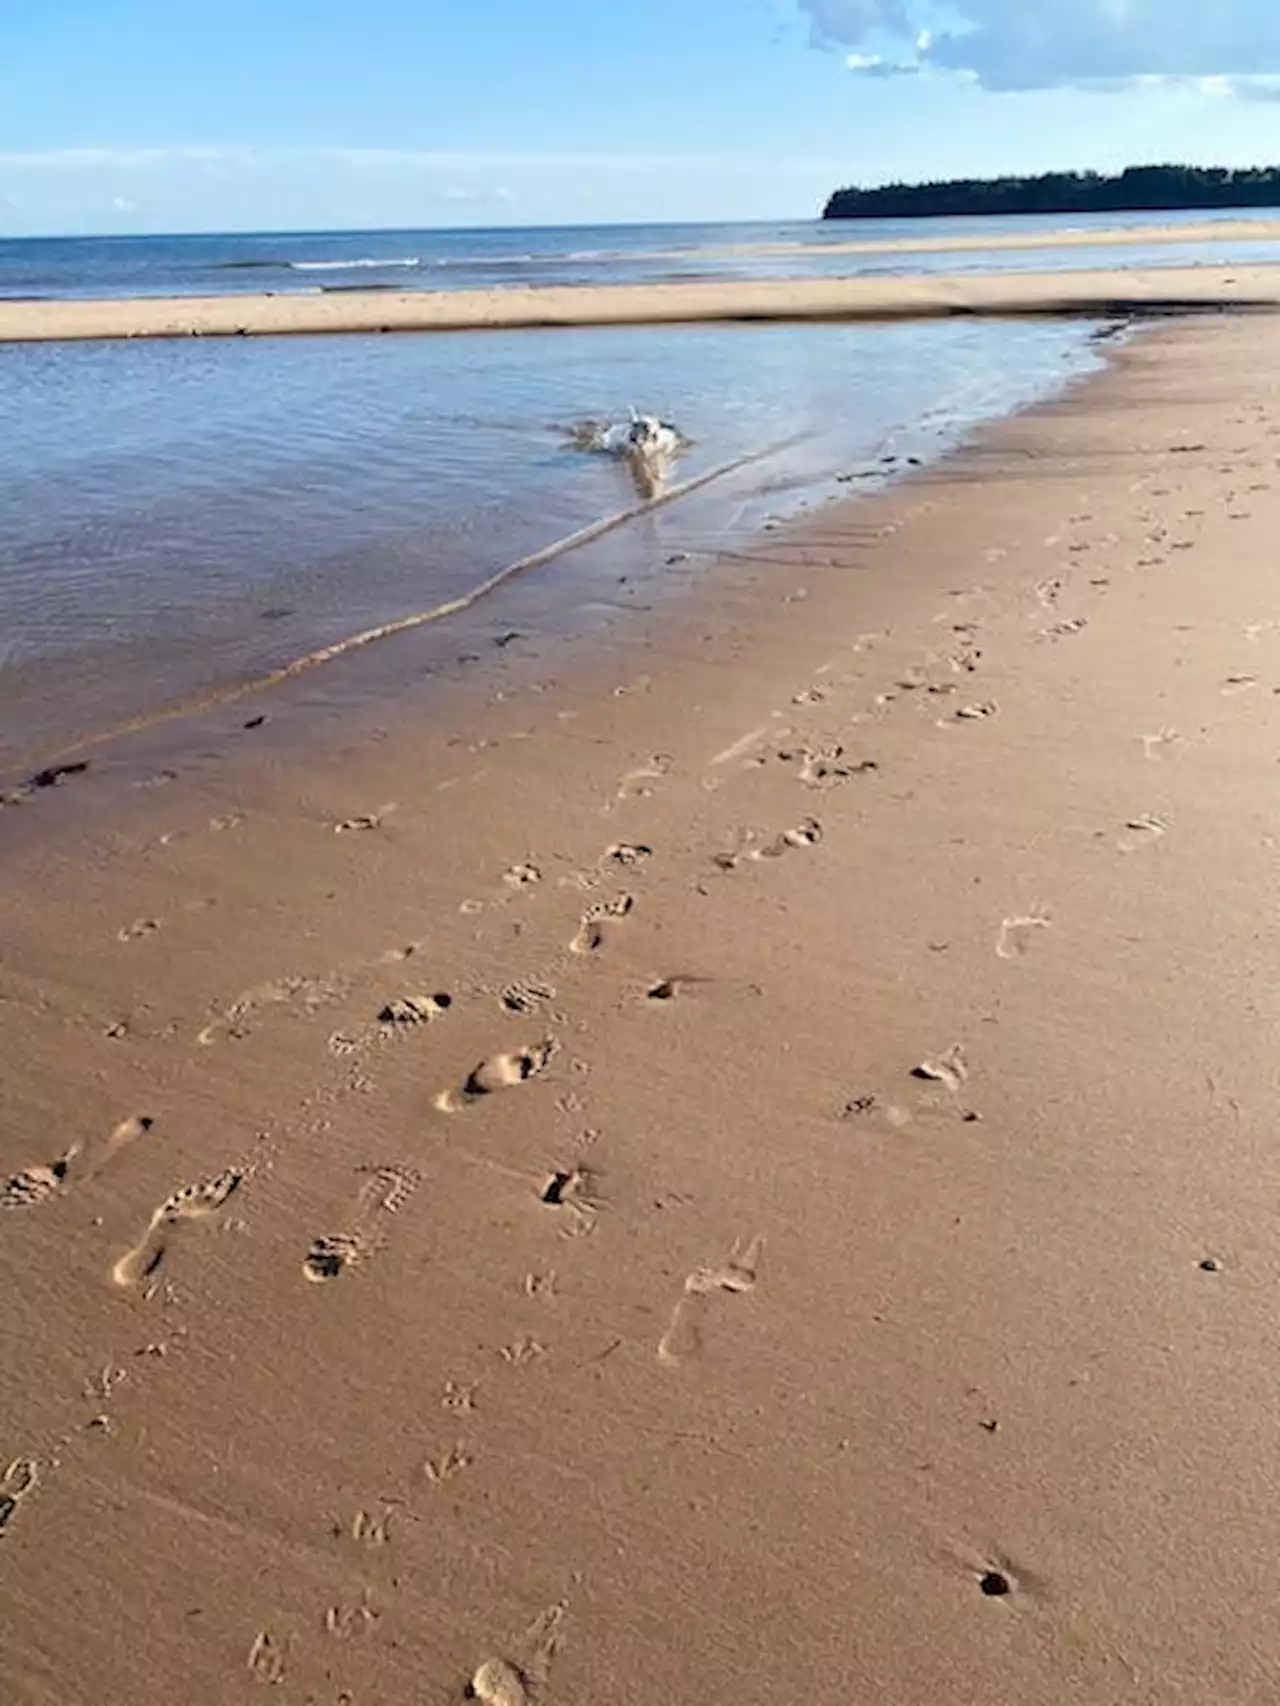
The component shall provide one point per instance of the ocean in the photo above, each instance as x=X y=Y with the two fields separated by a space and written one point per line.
x=178 y=518
x=492 y=259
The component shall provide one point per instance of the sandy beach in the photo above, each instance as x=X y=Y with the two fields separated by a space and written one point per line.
x=1070 y=237
x=897 y=297
x=733 y=1165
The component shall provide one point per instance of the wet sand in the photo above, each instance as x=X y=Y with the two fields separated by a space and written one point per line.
x=898 y=297
x=737 y=1167
x=1078 y=237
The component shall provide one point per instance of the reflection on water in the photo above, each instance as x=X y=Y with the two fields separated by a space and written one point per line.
x=181 y=514
x=648 y=448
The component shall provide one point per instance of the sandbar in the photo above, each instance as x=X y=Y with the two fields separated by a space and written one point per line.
x=900 y=297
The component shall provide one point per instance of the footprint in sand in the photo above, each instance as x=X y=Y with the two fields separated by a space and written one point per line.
x=383 y=1192
x=436 y=1471
x=1063 y=630
x=667 y=988
x=596 y=922
x=950 y=1069
x=1153 y=745
x=518 y=1678
x=522 y=1352
x=870 y=1109
x=522 y=876
x=192 y=1202
x=683 y=1337
x=828 y=767
x=525 y=998
x=806 y=834
x=1145 y=828
x=996 y=1575
x=1016 y=933
x=266 y=1661
x=366 y=821
x=140 y=928
x=76 y=1166
x=20 y=1478
x=1238 y=684
x=571 y=1192
x=499 y=1072
x=627 y=854
x=408 y=1012
x=980 y=712
x=302 y=994
x=638 y=784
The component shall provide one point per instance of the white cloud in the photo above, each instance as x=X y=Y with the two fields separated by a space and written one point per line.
x=1219 y=46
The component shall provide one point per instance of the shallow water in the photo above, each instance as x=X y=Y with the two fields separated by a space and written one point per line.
x=176 y=516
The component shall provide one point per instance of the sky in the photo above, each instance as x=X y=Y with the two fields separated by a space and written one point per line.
x=182 y=115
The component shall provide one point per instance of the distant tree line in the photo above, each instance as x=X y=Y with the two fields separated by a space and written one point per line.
x=1137 y=189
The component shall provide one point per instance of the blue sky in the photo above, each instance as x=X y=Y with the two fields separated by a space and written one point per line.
x=154 y=115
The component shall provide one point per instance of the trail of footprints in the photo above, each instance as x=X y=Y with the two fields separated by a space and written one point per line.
x=514 y=1675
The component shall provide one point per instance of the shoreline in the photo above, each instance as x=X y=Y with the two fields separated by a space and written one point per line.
x=1083 y=237
x=1103 y=294
x=654 y=549
x=744 y=1158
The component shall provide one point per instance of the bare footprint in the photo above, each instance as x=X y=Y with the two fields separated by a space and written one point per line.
x=683 y=1337
x=305 y=995
x=595 y=923
x=499 y=1072
x=192 y=1202
x=1016 y=933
